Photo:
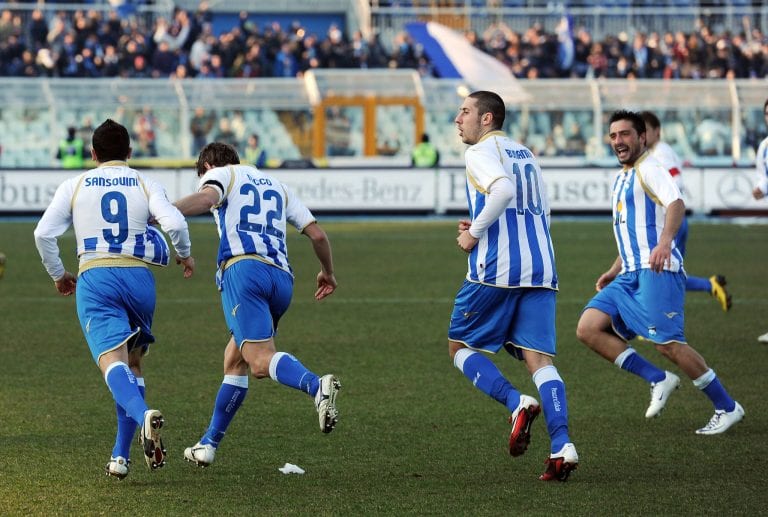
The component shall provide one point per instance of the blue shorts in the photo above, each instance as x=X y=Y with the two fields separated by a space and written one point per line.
x=254 y=295
x=488 y=318
x=115 y=305
x=646 y=304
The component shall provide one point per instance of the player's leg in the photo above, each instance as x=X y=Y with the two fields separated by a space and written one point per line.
x=533 y=332
x=126 y=426
x=479 y=322
x=714 y=285
x=727 y=410
x=229 y=398
x=255 y=297
x=614 y=316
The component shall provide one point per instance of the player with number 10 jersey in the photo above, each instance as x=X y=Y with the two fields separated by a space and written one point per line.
x=516 y=251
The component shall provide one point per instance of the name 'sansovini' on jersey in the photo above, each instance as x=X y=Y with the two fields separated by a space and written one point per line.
x=640 y=197
x=253 y=212
x=516 y=251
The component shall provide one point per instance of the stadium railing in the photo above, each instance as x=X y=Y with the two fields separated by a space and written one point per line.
x=709 y=122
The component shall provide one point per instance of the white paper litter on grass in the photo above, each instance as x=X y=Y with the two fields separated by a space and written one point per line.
x=290 y=468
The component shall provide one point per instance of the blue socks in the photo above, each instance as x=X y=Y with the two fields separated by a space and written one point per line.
x=555 y=405
x=633 y=362
x=698 y=283
x=125 y=390
x=230 y=397
x=486 y=377
x=712 y=388
x=287 y=370
x=126 y=427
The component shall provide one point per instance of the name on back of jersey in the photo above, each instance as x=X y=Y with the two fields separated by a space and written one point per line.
x=122 y=181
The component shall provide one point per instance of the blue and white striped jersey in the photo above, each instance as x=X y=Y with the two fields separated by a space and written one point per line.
x=761 y=166
x=109 y=208
x=516 y=250
x=640 y=197
x=252 y=214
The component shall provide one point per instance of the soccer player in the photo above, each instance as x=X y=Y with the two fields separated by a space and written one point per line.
x=109 y=207
x=715 y=284
x=251 y=211
x=761 y=186
x=642 y=293
x=508 y=297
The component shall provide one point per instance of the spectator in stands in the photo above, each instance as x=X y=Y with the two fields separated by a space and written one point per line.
x=425 y=154
x=225 y=135
x=200 y=126
x=254 y=153
x=71 y=151
x=145 y=127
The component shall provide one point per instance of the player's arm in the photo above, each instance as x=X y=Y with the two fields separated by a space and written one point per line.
x=488 y=172
x=173 y=223
x=607 y=277
x=326 y=281
x=200 y=202
x=55 y=221
x=661 y=254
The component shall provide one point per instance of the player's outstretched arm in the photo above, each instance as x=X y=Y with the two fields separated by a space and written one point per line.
x=607 y=277
x=326 y=280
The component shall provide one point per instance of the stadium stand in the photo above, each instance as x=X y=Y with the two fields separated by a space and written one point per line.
x=180 y=52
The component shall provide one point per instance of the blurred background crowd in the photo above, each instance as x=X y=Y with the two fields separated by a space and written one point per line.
x=92 y=43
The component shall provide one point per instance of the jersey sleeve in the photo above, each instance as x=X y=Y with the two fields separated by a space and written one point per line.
x=219 y=179
x=296 y=213
x=169 y=217
x=54 y=222
x=483 y=167
x=659 y=184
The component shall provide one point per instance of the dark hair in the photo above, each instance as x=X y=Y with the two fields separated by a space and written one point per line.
x=765 y=105
x=650 y=119
x=489 y=102
x=216 y=154
x=111 y=141
x=637 y=121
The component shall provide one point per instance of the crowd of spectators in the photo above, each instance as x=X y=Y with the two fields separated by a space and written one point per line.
x=92 y=44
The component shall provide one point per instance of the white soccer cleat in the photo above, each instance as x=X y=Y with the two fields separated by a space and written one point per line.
x=149 y=438
x=660 y=392
x=721 y=421
x=200 y=454
x=118 y=467
x=763 y=338
x=325 y=402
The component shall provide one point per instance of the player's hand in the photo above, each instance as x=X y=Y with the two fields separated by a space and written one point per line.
x=758 y=193
x=605 y=279
x=465 y=241
x=661 y=255
x=188 y=264
x=326 y=285
x=67 y=284
x=464 y=225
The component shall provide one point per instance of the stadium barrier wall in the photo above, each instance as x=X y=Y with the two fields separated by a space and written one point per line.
x=434 y=191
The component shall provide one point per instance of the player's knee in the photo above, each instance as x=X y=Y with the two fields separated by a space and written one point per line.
x=584 y=331
x=454 y=347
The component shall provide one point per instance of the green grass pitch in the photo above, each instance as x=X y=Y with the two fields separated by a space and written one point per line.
x=414 y=437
